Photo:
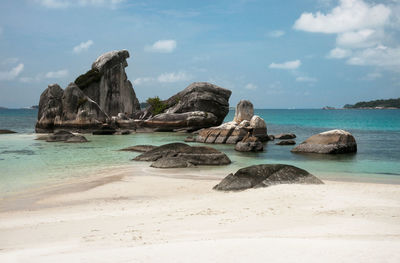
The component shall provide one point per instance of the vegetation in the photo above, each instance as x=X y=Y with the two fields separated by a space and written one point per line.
x=84 y=80
x=389 y=103
x=157 y=106
x=144 y=105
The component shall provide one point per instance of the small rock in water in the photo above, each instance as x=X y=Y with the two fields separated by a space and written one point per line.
x=249 y=144
x=286 y=142
x=7 y=131
x=139 y=148
x=59 y=136
x=76 y=139
x=285 y=136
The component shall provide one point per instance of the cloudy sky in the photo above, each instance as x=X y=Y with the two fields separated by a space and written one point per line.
x=278 y=54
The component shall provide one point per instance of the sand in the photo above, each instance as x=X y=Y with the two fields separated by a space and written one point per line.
x=137 y=214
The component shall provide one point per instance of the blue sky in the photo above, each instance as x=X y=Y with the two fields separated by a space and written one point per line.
x=278 y=54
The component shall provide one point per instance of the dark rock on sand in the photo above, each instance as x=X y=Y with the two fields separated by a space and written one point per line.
x=171 y=162
x=329 y=142
x=7 y=132
x=265 y=175
x=139 y=148
x=285 y=136
x=195 y=155
x=286 y=142
x=249 y=144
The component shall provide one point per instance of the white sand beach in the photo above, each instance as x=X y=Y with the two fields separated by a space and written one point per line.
x=139 y=214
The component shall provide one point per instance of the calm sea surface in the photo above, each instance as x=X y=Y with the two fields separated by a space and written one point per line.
x=26 y=163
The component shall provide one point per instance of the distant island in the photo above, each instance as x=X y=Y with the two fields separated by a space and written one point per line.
x=375 y=104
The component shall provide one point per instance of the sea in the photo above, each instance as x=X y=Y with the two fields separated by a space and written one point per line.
x=26 y=163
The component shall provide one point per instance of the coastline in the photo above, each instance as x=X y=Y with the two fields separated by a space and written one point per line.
x=139 y=214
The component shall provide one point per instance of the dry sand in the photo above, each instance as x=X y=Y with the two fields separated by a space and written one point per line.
x=139 y=214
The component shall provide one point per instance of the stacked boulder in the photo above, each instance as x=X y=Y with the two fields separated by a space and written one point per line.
x=245 y=125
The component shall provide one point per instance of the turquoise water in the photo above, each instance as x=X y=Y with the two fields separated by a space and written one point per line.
x=26 y=162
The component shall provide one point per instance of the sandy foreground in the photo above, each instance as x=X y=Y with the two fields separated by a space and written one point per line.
x=140 y=214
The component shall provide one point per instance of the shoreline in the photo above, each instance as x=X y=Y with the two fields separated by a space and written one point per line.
x=153 y=216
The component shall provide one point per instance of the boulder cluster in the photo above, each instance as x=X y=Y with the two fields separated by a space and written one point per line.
x=247 y=130
x=104 y=99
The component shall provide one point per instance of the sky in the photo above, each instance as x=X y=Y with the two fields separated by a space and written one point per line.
x=277 y=54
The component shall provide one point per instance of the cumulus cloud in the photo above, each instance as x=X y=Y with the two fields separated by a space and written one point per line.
x=140 y=81
x=276 y=33
x=286 y=65
x=173 y=77
x=13 y=73
x=251 y=86
x=361 y=32
x=350 y=15
x=56 y=74
x=306 y=79
x=339 y=53
x=162 y=46
x=62 y=4
x=83 y=46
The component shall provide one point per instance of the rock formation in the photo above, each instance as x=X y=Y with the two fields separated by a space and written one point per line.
x=183 y=155
x=107 y=84
x=265 y=175
x=332 y=142
x=234 y=131
x=286 y=142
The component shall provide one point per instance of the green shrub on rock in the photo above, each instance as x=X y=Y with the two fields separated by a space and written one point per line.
x=157 y=106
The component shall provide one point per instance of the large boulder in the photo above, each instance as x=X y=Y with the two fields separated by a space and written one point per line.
x=107 y=84
x=329 y=142
x=201 y=96
x=244 y=111
x=183 y=154
x=265 y=175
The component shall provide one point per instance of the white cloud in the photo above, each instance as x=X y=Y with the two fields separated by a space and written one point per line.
x=162 y=46
x=380 y=56
x=276 y=33
x=360 y=38
x=350 y=15
x=13 y=73
x=83 y=46
x=373 y=76
x=250 y=86
x=62 y=4
x=339 y=53
x=286 y=65
x=306 y=79
x=173 y=77
x=56 y=74
x=139 y=81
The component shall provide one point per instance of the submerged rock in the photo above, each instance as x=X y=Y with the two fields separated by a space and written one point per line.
x=139 y=148
x=329 y=142
x=77 y=139
x=193 y=155
x=6 y=131
x=59 y=136
x=171 y=162
x=286 y=142
x=265 y=175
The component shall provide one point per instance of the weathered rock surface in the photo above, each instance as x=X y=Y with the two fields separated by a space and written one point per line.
x=244 y=111
x=7 y=132
x=285 y=136
x=329 y=142
x=265 y=175
x=50 y=108
x=192 y=155
x=286 y=142
x=77 y=139
x=139 y=148
x=107 y=84
x=104 y=130
x=249 y=144
x=233 y=132
x=171 y=162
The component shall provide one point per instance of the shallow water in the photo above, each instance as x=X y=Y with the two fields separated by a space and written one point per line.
x=26 y=162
